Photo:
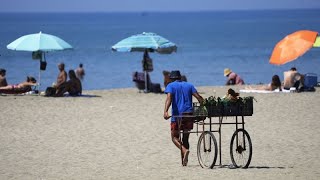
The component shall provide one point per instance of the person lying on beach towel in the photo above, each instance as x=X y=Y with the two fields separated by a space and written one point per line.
x=22 y=87
x=275 y=84
x=72 y=86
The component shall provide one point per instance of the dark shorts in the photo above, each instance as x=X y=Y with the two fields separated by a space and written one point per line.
x=187 y=125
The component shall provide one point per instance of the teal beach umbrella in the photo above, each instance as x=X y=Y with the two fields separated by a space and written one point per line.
x=145 y=42
x=39 y=43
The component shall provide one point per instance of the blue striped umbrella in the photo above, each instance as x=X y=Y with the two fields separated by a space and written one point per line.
x=147 y=40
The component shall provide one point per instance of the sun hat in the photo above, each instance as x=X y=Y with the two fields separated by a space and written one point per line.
x=175 y=75
x=227 y=71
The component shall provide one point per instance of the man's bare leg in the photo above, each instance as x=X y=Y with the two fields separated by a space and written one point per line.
x=177 y=142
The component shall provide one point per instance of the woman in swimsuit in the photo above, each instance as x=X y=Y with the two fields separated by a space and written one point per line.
x=31 y=81
x=275 y=84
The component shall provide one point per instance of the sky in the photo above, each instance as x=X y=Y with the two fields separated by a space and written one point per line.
x=150 y=5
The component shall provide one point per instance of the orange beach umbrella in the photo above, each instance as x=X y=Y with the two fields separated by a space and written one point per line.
x=293 y=46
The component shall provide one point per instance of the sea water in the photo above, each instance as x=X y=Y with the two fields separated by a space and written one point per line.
x=207 y=43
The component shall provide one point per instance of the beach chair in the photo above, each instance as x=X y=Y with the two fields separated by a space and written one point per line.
x=139 y=79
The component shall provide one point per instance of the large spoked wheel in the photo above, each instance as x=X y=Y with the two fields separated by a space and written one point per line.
x=207 y=150
x=241 y=149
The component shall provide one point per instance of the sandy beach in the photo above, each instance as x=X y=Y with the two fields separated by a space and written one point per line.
x=121 y=134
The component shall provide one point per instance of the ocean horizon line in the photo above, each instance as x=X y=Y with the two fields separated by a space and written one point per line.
x=165 y=11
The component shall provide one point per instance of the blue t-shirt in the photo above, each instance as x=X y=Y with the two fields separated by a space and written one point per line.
x=181 y=92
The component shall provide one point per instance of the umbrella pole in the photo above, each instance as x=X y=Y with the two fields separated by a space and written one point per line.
x=44 y=57
x=146 y=81
x=40 y=74
x=39 y=82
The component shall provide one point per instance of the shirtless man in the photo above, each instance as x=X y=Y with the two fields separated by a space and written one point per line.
x=293 y=79
x=80 y=72
x=62 y=76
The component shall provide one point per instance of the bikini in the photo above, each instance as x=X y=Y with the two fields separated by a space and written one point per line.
x=15 y=86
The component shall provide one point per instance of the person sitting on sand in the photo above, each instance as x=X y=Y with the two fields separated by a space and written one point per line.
x=233 y=78
x=31 y=81
x=72 y=86
x=231 y=95
x=3 y=80
x=293 y=79
x=167 y=80
x=275 y=84
x=62 y=76
x=179 y=95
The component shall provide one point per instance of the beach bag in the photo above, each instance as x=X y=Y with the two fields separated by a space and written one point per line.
x=156 y=88
x=50 y=92
x=310 y=81
x=43 y=65
x=147 y=64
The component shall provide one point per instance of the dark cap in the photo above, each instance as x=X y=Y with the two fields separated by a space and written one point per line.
x=2 y=70
x=175 y=75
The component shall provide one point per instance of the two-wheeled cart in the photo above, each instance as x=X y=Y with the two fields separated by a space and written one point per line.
x=208 y=148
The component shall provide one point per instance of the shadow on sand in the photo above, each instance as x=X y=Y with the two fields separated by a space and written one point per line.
x=81 y=96
x=250 y=167
x=89 y=95
x=231 y=166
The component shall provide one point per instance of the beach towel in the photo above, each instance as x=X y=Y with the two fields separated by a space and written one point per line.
x=265 y=91
x=15 y=91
